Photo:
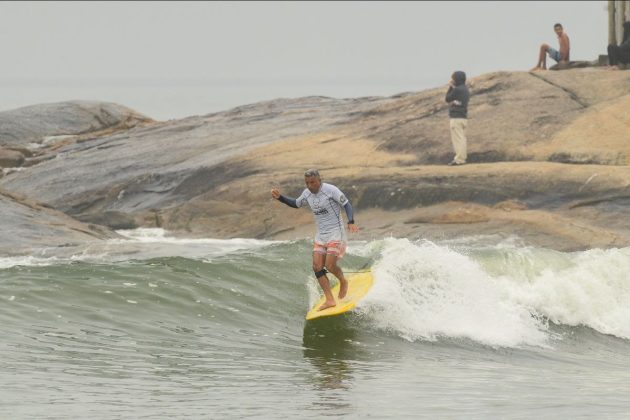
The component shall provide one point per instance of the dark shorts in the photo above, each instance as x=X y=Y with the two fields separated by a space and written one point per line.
x=553 y=53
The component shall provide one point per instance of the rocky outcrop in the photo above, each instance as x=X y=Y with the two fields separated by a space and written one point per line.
x=36 y=123
x=10 y=158
x=548 y=156
x=27 y=226
x=169 y=163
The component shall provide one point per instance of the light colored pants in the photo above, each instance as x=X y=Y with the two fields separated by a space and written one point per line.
x=458 y=137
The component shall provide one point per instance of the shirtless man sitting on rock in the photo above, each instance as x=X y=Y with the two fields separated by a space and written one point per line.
x=561 y=57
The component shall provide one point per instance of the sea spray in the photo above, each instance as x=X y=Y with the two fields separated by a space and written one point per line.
x=424 y=291
x=589 y=288
x=500 y=296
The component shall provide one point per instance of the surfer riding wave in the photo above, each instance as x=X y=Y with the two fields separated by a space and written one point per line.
x=325 y=201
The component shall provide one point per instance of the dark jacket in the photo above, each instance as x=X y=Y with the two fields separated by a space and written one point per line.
x=620 y=53
x=625 y=44
x=458 y=96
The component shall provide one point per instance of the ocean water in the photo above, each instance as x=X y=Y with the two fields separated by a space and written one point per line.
x=156 y=327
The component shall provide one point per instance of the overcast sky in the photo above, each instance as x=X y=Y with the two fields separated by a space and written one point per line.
x=414 y=44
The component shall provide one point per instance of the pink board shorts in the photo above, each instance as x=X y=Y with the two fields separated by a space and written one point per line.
x=336 y=248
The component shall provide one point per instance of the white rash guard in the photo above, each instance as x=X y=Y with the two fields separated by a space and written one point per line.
x=326 y=206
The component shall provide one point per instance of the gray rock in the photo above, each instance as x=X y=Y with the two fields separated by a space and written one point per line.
x=211 y=175
x=113 y=219
x=27 y=226
x=32 y=124
x=168 y=163
x=10 y=158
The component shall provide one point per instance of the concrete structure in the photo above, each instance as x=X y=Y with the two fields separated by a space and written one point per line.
x=618 y=13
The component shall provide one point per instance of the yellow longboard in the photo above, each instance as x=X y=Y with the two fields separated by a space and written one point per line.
x=358 y=286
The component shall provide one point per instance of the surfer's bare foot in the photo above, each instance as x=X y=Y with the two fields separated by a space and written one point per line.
x=343 y=288
x=327 y=305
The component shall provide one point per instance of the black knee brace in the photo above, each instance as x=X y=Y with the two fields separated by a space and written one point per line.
x=320 y=273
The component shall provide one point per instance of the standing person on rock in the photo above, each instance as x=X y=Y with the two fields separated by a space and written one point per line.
x=561 y=57
x=326 y=201
x=457 y=97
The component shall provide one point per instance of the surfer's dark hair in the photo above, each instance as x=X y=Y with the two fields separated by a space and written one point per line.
x=557 y=25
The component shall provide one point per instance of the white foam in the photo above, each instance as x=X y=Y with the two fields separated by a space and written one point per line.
x=590 y=288
x=424 y=291
x=156 y=242
x=138 y=244
x=501 y=296
x=28 y=260
x=158 y=235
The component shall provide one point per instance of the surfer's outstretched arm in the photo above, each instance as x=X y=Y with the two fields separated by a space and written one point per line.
x=288 y=201
x=291 y=202
x=350 y=214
